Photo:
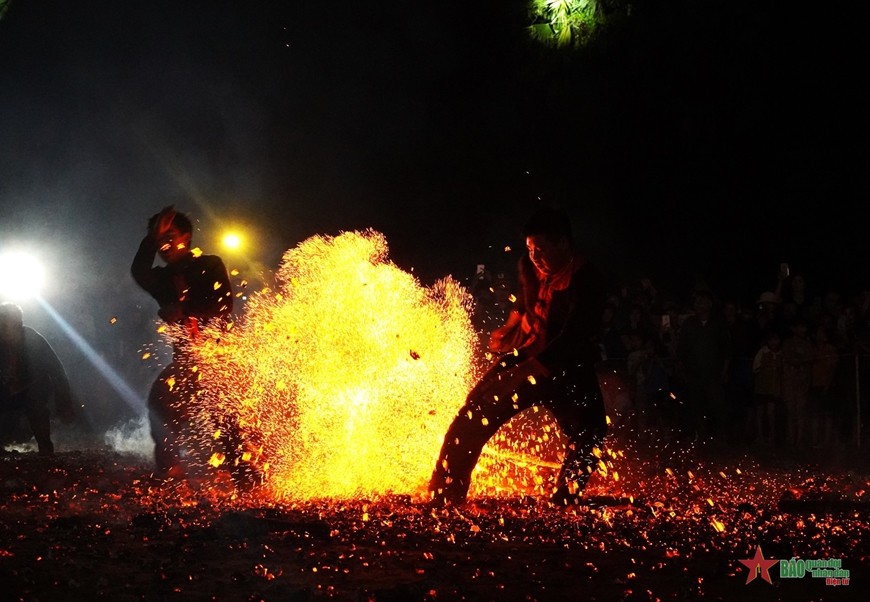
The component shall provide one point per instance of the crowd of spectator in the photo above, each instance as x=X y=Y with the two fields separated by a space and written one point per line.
x=784 y=372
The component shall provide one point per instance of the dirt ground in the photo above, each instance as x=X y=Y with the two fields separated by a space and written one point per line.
x=95 y=524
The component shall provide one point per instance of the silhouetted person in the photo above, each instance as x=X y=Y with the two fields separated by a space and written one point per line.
x=768 y=316
x=611 y=341
x=767 y=368
x=31 y=377
x=704 y=355
x=554 y=328
x=668 y=343
x=637 y=323
x=192 y=291
x=651 y=387
x=797 y=302
x=824 y=406
x=738 y=388
x=797 y=353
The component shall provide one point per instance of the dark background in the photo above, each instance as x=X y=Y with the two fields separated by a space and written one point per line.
x=693 y=141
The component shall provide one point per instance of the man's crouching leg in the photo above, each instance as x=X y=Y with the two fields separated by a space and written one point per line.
x=580 y=461
x=464 y=441
x=243 y=464
x=160 y=419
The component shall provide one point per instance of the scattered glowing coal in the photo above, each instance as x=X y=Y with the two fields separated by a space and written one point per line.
x=345 y=379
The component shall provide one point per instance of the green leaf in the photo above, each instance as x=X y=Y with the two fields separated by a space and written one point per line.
x=570 y=22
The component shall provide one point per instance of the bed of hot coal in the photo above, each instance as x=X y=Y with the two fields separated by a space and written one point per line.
x=97 y=525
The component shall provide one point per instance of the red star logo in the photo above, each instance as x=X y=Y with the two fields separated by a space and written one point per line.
x=758 y=565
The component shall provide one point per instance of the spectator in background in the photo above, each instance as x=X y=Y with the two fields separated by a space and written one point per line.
x=796 y=300
x=703 y=354
x=651 y=388
x=831 y=304
x=768 y=314
x=638 y=323
x=862 y=350
x=668 y=338
x=767 y=389
x=848 y=325
x=636 y=371
x=830 y=310
x=31 y=378
x=823 y=407
x=797 y=353
x=647 y=296
x=669 y=333
x=611 y=341
x=738 y=386
x=492 y=294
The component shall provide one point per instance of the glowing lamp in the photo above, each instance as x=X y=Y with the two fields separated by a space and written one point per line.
x=21 y=275
x=231 y=240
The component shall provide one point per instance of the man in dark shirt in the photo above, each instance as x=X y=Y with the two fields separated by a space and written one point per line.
x=31 y=375
x=550 y=350
x=188 y=288
x=192 y=291
x=704 y=357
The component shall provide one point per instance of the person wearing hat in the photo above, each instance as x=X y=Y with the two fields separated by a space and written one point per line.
x=768 y=314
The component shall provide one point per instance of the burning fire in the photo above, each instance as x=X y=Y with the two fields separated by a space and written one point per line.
x=345 y=379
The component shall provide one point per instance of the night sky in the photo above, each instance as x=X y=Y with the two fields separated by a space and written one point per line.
x=694 y=139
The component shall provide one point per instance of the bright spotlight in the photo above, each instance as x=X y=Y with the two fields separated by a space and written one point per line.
x=21 y=275
x=232 y=240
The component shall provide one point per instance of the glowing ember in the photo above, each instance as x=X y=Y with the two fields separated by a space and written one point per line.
x=346 y=378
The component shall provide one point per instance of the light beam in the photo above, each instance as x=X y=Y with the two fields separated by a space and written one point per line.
x=133 y=400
